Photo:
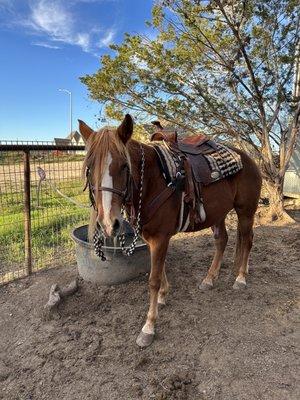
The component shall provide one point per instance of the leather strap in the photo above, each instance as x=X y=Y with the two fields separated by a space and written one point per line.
x=151 y=208
x=162 y=164
x=189 y=184
x=121 y=193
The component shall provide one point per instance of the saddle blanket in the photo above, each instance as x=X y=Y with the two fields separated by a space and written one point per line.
x=223 y=162
x=216 y=162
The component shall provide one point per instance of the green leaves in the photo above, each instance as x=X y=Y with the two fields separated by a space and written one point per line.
x=222 y=67
x=157 y=15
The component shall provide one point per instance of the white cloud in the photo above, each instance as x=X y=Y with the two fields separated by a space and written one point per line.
x=52 y=18
x=46 y=45
x=107 y=39
x=57 y=23
x=82 y=40
x=54 y=21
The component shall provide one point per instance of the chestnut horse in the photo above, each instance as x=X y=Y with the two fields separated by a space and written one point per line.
x=113 y=154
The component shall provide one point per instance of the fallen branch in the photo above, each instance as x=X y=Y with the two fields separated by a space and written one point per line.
x=57 y=294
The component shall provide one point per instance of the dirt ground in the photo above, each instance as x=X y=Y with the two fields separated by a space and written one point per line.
x=220 y=344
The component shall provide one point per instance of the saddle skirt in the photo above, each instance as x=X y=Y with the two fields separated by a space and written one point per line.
x=215 y=161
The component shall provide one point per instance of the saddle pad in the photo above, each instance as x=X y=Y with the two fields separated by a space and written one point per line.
x=169 y=166
x=167 y=163
x=223 y=163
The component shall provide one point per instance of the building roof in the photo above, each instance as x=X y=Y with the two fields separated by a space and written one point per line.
x=75 y=136
x=62 y=142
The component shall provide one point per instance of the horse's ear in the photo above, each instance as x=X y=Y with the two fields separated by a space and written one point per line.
x=125 y=130
x=85 y=130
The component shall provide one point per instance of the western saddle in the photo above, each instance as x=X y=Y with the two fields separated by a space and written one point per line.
x=193 y=148
x=196 y=169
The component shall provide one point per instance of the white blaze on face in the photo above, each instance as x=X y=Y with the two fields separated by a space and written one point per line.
x=107 y=196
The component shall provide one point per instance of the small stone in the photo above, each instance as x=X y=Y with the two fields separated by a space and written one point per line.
x=4 y=372
x=177 y=385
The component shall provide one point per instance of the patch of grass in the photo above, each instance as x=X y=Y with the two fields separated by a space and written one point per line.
x=51 y=224
x=54 y=156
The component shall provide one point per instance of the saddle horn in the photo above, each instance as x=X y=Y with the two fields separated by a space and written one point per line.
x=158 y=125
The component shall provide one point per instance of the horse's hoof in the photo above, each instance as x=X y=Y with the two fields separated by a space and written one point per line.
x=239 y=285
x=144 y=339
x=204 y=287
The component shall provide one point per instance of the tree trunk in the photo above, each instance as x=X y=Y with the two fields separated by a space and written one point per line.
x=276 y=205
x=275 y=191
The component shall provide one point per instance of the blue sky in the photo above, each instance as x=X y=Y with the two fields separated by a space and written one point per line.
x=48 y=44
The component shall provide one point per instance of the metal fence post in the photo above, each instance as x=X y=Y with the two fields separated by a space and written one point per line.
x=27 y=218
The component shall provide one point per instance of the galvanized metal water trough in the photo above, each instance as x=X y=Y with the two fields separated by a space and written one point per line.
x=117 y=268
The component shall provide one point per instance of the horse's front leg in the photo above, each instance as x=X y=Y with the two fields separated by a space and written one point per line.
x=158 y=250
x=164 y=287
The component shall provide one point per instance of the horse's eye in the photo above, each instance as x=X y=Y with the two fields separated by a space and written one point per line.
x=123 y=167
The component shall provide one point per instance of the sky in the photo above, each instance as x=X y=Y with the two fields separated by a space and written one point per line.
x=46 y=45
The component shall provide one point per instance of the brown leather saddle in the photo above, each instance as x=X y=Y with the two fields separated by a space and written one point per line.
x=197 y=170
x=193 y=148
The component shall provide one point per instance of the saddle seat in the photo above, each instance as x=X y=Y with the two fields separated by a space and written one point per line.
x=192 y=144
x=195 y=149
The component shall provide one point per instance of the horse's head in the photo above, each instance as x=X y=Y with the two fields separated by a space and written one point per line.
x=107 y=164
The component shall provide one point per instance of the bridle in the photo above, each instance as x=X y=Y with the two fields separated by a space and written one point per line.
x=124 y=194
x=127 y=197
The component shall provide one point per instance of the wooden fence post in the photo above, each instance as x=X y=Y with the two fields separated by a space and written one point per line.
x=27 y=212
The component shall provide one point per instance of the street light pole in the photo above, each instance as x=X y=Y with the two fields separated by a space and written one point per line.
x=71 y=112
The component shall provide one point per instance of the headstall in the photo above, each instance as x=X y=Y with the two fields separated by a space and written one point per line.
x=126 y=196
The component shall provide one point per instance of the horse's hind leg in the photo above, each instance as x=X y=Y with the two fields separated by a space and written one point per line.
x=221 y=239
x=243 y=247
x=164 y=287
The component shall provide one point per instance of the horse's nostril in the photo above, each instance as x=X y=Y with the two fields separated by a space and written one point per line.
x=116 y=225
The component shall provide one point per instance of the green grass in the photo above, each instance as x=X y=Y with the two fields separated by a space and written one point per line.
x=6 y=157
x=51 y=225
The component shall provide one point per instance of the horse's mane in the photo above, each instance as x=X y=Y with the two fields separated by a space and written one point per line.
x=99 y=145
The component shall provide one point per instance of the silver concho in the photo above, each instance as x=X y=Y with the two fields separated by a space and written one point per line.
x=215 y=174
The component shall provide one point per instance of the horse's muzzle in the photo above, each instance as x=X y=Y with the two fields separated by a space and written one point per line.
x=113 y=229
x=116 y=227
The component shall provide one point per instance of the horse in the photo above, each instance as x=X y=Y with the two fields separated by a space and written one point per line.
x=113 y=159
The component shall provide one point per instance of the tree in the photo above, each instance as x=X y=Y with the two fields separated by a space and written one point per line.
x=225 y=67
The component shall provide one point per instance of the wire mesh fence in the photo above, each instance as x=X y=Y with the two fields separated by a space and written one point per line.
x=41 y=200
